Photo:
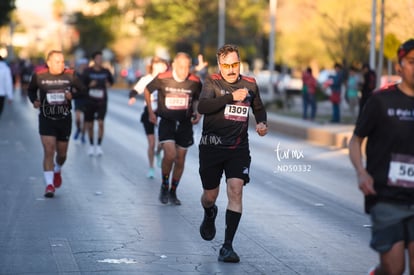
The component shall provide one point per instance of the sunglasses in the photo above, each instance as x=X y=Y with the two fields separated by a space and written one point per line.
x=227 y=66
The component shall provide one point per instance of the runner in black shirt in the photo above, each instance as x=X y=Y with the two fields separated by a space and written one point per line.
x=387 y=180
x=368 y=85
x=97 y=79
x=51 y=90
x=225 y=101
x=178 y=92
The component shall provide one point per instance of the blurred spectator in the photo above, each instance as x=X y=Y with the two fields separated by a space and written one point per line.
x=80 y=103
x=26 y=72
x=15 y=71
x=352 y=89
x=368 y=85
x=309 y=93
x=6 y=83
x=335 y=85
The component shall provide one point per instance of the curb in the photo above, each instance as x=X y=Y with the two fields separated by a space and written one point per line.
x=331 y=135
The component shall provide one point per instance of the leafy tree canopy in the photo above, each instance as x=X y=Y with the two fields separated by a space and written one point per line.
x=6 y=7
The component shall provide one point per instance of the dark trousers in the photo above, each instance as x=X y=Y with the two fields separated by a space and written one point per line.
x=336 y=112
x=309 y=100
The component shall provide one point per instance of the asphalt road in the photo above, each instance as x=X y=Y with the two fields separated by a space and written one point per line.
x=303 y=213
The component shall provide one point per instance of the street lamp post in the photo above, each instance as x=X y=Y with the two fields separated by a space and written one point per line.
x=221 y=23
x=373 y=35
x=272 y=38
x=381 y=51
x=10 y=48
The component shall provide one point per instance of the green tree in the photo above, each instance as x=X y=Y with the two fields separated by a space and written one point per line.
x=348 y=45
x=192 y=25
x=94 y=32
x=6 y=8
x=107 y=27
x=391 y=44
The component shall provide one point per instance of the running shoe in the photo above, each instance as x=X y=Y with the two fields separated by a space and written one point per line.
x=50 y=191
x=151 y=173
x=75 y=137
x=98 y=151
x=173 y=198
x=91 y=150
x=163 y=195
x=371 y=271
x=159 y=159
x=207 y=227
x=228 y=255
x=57 y=179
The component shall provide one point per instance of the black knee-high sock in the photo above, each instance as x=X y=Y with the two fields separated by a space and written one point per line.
x=165 y=181
x=232 y=222
x=209 y=211
x=174 y=184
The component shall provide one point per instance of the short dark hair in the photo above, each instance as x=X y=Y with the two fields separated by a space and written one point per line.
x=225 y=50
x=94 y=54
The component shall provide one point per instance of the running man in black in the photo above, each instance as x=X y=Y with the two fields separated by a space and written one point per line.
x=51 y=90
x=97 y=78
x=178 y=92
x=225 y=101
x=387 y=178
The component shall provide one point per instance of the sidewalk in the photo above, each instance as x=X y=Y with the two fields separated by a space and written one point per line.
x=320 y=132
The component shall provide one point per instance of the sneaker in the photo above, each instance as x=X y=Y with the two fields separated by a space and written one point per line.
x=75 y=137
x=163 y=195
x=371 y=271
x=207 y=227
x=98 y=151
x=91 y=151
x=57 y=179
x=173 y=198
x=83 y=139
x=228 y=256
x=151 y=173
x=50 y=191
x=159 y=159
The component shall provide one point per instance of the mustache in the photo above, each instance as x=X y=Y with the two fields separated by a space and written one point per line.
x=231 y=74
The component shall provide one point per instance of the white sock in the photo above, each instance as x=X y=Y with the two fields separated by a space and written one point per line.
x=48 y=175
x=57 y=168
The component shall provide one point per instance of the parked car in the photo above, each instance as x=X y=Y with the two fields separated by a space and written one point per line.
x=284 y=85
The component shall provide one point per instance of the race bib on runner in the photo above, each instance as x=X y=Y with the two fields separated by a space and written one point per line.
x=55 y=97
x=401 y=172
x=236 y=112
x=96 y=93
x=176 y=101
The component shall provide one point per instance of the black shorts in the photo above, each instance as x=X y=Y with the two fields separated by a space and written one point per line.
x=95 y=110
x=391 y=223
x=213 y=161
x=181 y=132
x=60 y=128
x=80 y=104
x=148 y=126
